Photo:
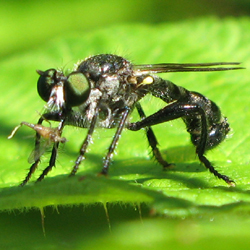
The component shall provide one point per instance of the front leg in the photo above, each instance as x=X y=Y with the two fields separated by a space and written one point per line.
x=52 y=161
x=36 y=157
x=177 y=110
x=37 y=151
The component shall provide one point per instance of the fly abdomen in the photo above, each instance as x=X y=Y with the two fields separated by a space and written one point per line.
x=167 y=91
x=216 y=134
x=217 y=125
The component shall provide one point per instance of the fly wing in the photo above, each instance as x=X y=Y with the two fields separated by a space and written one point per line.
x=185 y=67
x=39 y=150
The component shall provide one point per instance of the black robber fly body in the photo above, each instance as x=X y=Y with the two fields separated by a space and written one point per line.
x=104 y=89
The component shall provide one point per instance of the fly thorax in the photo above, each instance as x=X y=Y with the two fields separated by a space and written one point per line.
x=92 y=103
x=110 y=85
x=105 y=119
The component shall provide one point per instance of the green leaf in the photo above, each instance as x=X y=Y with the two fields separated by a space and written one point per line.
x=134 y=178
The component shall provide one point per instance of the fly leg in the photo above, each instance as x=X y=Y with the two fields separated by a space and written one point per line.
x=37 y=159
x=52 y=161
x=152 y=140
x=178 y=110
x=114 y=142
x=111 y=147
x=37 y=153
x=85 y=143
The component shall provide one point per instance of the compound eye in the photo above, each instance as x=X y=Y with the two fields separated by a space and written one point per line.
x=45 y=83
x=76 y=89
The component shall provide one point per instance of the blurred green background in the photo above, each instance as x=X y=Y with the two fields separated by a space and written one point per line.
x=30 y=23
x=27 y=25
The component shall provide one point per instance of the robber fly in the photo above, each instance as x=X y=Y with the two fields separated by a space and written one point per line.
x=106 y=88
